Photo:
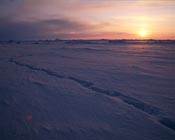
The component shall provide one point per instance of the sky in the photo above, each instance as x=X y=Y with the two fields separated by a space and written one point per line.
x=87 y=19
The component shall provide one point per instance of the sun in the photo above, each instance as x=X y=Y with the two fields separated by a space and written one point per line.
x=143 y=33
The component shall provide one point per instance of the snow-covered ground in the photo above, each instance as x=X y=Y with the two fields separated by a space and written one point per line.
x=67 y=90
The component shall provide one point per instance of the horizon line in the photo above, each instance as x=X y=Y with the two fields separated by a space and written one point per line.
x=58 y=39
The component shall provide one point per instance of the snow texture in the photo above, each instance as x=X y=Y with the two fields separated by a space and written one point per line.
x=87 y=90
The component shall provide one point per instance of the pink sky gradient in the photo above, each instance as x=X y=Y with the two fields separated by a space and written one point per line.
x=88 y=19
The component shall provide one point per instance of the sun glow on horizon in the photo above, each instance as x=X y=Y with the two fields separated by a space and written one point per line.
x=143 y=33
x=87 y=19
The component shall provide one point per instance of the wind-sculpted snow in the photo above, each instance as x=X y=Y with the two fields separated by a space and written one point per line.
x=91 y=90
x=154 y=111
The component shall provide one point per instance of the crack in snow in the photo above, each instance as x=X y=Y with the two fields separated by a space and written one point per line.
x=149 y=109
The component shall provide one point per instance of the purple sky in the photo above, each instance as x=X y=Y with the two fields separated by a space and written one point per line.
x=87 y=19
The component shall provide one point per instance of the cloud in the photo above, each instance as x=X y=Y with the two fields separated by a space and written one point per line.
x=157 y=3
x=118 y=5
x=54 y=28
x=20 y=30
x=40 y=19
x=90 y=6
x=40 y=29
